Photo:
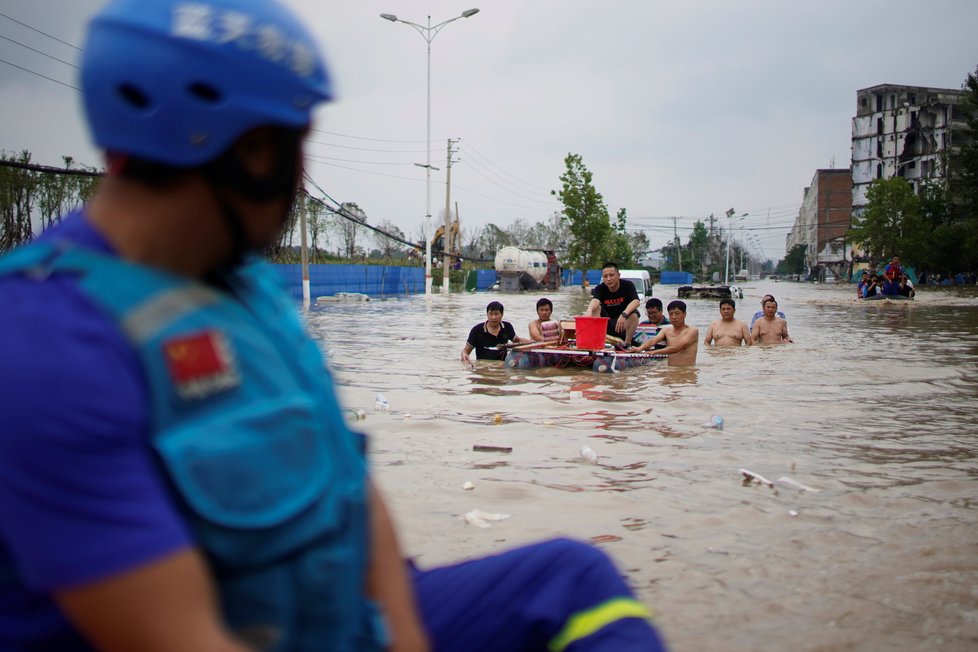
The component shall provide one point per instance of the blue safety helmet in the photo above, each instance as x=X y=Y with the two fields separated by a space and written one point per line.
x=178 y=81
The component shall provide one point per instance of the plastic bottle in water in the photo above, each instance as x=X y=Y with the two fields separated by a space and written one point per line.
x=588 y=455
x=381 y=405
x=716 y=421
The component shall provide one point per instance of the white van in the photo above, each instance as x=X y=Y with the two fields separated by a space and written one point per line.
x=643 y=284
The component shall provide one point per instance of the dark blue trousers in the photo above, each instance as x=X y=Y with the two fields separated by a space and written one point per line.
x=557 y=596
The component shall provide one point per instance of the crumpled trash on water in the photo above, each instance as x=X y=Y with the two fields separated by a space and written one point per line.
x=716 y=422
x=381 y=404
x=479 y=518
x=750 y=476
x=588 y=455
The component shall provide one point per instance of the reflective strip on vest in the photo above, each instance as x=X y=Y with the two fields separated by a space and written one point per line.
x=587 y=622
x=165 y=308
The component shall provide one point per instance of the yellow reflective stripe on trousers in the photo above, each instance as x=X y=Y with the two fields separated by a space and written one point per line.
x=585 y=623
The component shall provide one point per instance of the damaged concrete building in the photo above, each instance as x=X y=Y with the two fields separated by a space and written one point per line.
x=902 y=131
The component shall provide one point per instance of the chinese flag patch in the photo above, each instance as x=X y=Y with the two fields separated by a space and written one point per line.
x=200 y=364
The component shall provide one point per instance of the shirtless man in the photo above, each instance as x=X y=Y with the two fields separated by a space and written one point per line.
x=681 y=339
x=543 y=328
x=728 y=331
x=770 y=329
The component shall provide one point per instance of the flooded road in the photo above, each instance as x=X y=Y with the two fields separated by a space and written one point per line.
x=874 y=407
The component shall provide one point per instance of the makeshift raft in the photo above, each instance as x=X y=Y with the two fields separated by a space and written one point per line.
x=600 y=361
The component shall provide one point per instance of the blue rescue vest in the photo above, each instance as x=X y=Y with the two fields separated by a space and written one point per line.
x=247 y=428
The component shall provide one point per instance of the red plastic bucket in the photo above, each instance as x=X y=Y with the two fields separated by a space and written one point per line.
x=590 y=332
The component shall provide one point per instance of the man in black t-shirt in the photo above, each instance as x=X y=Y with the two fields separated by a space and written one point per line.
x=485 y=337
x=617 y=299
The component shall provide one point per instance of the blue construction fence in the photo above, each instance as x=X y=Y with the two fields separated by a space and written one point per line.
x=327 y=280
x=573 y=277
x=667 y=277
x=480 y=279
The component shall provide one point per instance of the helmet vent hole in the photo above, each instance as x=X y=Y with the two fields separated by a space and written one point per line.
x=205 y=92
x=134 y=96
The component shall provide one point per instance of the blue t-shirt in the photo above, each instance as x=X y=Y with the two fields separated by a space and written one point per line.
x=81 y=497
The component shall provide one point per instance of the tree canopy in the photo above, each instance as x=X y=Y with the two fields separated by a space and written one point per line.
x=593 y=239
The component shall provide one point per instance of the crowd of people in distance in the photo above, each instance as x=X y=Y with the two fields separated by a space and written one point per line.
x=617 y=300
x=891 y=283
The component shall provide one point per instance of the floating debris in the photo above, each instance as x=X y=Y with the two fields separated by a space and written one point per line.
x=756 y=477
x=588 y=455
x=479 y=518
x=485 y=448
x=797 y=485
x=468 y=486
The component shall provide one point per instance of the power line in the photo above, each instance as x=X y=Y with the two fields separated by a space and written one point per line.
x=366 y=149
x=378 y=140
x=38 y=74
x=342 y=212
x=71 y=45
x=67 y=63
x=483 y=156
x=476 y=170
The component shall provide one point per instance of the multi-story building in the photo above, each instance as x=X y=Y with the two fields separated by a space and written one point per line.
x=822 y=222
x=901 y=131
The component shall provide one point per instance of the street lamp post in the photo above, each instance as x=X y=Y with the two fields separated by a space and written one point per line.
x=428 y=33
x=726 y=269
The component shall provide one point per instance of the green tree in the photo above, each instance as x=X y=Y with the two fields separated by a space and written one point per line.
x=34 y=197
x=620 y=246
x=491 y=240
x=641 y=247
x=794 y=261
x=18 y=188
x=697 y=249
x=963 y=176
x=586 y=216
x=890 y=225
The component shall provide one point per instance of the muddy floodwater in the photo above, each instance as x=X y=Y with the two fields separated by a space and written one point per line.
x=874 y=408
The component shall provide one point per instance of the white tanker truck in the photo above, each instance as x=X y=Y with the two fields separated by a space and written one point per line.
x=526 y=269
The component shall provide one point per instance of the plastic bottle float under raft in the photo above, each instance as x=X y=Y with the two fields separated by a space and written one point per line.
x=600 y=360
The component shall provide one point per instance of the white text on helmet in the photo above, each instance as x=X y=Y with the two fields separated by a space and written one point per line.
x=202 y=22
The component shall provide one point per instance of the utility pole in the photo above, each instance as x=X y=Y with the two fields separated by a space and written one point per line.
x=679 y=249
x=304 y=249
x=446 y=254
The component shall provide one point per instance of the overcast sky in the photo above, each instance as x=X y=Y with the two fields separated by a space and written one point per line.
x=679 y=109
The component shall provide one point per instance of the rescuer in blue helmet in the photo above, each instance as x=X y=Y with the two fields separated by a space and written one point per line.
x=175 y=470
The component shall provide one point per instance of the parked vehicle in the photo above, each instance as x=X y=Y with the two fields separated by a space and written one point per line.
x=642 y=281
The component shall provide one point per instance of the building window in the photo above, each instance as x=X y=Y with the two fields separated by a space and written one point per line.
x=879 y=125
x=879 y=170
x=879 y=102
x=913 y=98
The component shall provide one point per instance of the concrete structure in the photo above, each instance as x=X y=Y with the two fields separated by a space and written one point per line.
x=901 y=131
x=822 y=222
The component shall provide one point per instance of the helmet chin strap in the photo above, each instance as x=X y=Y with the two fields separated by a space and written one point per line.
x=228 y=175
